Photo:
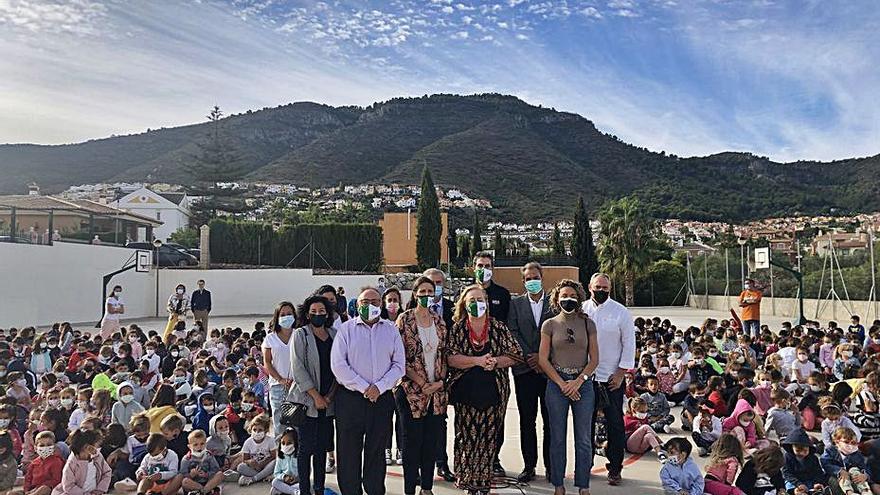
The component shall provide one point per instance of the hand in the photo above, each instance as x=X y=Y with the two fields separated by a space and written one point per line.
x=616 y=380
x=287 y=382
x=156 y=477
x=321 y=403
x=859 y=478
x=432 y=387
x=194 y=472
x=532 y=361
x=372 y=394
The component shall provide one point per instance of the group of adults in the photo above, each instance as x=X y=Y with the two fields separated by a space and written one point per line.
x=354 y=372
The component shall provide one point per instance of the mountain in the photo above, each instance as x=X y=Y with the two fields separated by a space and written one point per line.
x=531 y=162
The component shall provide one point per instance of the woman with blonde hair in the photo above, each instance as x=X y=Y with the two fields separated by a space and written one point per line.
x=480 y=349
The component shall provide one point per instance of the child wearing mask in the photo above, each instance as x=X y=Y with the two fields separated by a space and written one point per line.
x=201 y=471
x=640 y=436
x=801 y=369
x=762 y=392
x=85 y=472
x=258 y=453
x=845 y=465
x=834 y=419
x=690 y=407
x=706 y=428
x=205 y=411
x=285 y=479
x=721 y=468
x=762 y=474
x=781 y=419
x=846 y=364
x=83 y=407
x=741 y=424
x=809 y=403
x=658 y=406
x=126 y=407
x=716 y=397
x=680 y=475
x=158 y=472
x=44 y=472
x=802 y=471
x=8 y=466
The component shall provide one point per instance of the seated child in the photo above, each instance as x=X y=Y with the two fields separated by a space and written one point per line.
x=44 y=473
x=250 y=406
x=690 y=407
x=680 y=475
x=205 y=410
x=220 y=443
x=780 y=418
x=258 y=453
x=658 y=406
x=809 y=403
x=126 y=406
x=845 y=465
x=802 y=471
x=762 y=474
x=129 y=457
x=158 y=472
x=741 y=424
x=86 y=471
x=834 y=419
x=8 y=415
x=867 y=411
x=762 y=393
x=199 y=468
x=8 y=466
x=286 y=478
x=714 y=389
x=724 y=461
x=706 y=428
x=640 y=436
x=172 y=428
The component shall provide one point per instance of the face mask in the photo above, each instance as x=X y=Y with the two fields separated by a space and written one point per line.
x=745 y=422
x=158 y=457
x=741 y=360
x=180 y=292
x=179 y=379
x=698 y=362
x=652 y=350
x=847 y=448
x=765 y=383
x=21 y=382
x=150 y=352
x=45 y=452
x=438 y=291
x=54 y=403
x=175 y=354
x=534 y=286
x=210 y=408
x=369 y=312
x=197 y=454
x=664 y=369
x=676 y=355
x=66 y=403
x=393 y=307
x=641 y=415
x=4 y=423
x=600 y=296
x=477 y=309
x=318 y=320
x=673 y=460
x=815 y=388
x=247 y=406
x=286 y=321
x=845 y=354
x=224 y=435
x=288 y=449
x=483 y=275
x=258 y=435
x=568 y=305
x=734 y=373
x=126 y=398
x=43 y=345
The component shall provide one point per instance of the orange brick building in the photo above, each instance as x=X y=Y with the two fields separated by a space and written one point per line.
x=399 y=239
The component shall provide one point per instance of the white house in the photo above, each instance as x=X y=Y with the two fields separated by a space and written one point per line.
x=169 y=207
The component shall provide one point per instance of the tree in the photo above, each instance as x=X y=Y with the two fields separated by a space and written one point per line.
x=629 y=242
x=217 y=164
x=582 y=248
x=186 y=237
x=464 y=253
x=477 y=240
x=498 y=243
x=558 y=246
x=429 y=224
x=452 y=247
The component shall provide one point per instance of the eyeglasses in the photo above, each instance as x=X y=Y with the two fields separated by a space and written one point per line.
x=570 y=337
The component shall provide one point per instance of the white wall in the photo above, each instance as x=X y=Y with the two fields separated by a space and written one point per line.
x=822 y=310
x=45 y=284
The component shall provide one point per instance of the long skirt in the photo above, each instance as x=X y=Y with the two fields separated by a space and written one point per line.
x=475 y=438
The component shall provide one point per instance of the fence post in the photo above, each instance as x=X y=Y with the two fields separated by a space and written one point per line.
x=204 y=247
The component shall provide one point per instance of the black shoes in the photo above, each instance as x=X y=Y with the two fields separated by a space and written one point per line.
x=498 y=471
x=444 y=472
x=526 y=476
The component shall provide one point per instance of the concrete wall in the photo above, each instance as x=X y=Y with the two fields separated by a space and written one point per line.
x=510 y=278
x=814 y=309
x=45 y=284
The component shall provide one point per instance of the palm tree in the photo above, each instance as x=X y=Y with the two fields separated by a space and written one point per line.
x=629 y=241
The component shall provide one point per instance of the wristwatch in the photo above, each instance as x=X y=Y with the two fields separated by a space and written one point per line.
x=587 y=377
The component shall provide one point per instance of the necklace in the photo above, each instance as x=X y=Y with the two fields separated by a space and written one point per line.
x=478 y=341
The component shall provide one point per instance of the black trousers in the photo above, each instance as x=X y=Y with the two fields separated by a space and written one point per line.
x=420 y=437
x=314 y=438
x=362 y=431
x=530 y=388
x=442 y=457
x=613 y=428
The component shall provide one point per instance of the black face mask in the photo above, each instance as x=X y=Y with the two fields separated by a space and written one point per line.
x=568 y=305
x=600 y=296
x=318 y=320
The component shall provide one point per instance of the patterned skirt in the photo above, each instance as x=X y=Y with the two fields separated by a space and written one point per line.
x=475 y=445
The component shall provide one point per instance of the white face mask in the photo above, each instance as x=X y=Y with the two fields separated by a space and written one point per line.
x=815 y=388
x=392 y=307
x=259 y=435
x=180 y=292
x=745 y=422
x=54 y=403
x=288 y=449
x=198 y=454
x=4 y=423
x=66 y=402
x=45 y=452
x=373 y=312
x=210 y=408
x=247 y=406
x=150 y=352
x=664 y=369
x=158 y=457
x=641 y=415
x=676 y=355
x=126 y=398
x=765 y=383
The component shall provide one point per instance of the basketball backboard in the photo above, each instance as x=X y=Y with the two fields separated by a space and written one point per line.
x=143 y=261
x=762 y=258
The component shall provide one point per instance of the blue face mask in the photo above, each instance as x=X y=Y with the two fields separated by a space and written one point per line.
x=438 y=291
x=533 y=286
x=286 y=321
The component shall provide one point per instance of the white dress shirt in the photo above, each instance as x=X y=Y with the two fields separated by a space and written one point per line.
x=616 y=335
x=537 y=309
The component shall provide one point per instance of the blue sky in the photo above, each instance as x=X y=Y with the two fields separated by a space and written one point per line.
x=787 y=79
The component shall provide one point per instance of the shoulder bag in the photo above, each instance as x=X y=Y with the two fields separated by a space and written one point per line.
x=293 y=414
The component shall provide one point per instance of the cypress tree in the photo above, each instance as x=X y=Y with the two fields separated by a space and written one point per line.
x=429 y=228
x=557 y=244
x=452 y=246
x=477 y=241
x=464 y=253
x=582 y=248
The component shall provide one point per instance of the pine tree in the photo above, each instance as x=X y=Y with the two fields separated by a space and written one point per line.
x=429 y=225
x=477 y=241
x=558 y=245
x=582 y=248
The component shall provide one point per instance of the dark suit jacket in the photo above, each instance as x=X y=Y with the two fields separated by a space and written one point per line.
x=522 y=326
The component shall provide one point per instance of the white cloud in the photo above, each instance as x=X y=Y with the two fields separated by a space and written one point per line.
x=447 y=10
x=521 y=36
x=81 y=17
x=626 y=13
x=591 y=12
x=461 y=35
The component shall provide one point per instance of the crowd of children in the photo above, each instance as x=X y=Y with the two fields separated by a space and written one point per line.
x=793 y=410
x=83 y=416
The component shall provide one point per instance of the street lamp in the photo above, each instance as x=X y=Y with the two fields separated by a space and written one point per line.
x=157 y=244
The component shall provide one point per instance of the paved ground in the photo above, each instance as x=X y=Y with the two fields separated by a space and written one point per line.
x=640 y=473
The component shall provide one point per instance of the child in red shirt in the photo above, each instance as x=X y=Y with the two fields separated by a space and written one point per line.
x=44 y=473
x=713 y=388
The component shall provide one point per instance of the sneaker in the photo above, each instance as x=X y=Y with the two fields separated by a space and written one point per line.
x=388 y=460
x=704 y=452
x=398 y=457
x=662 y=457
x=125 y=485
x=614 y=477
x=193 y=492
x=331 y=463
x=600 y=451
x=666 y=429
x=245 y=481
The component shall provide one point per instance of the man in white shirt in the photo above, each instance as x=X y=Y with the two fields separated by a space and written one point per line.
x=617 y=350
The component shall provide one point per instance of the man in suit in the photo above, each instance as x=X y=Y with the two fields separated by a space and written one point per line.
x=443 y=307
x=527 y=313
x=200 y=302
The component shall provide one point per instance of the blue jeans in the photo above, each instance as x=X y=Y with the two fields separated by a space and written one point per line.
x=749 y=325
x=277 y=394
x=557 y=408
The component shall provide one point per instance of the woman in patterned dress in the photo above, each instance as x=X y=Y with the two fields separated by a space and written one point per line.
x=480 y=348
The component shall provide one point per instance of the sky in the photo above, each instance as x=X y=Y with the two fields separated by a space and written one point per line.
x=786 y=79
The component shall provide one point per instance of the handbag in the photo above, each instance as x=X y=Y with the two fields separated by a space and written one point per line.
x=293 y=414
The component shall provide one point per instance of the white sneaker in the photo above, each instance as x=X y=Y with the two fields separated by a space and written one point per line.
x=388 y=460
x=665 y=428
x=399 y=457
x=245 y=481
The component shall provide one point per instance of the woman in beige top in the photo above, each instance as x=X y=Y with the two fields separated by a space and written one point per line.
x=568 y=355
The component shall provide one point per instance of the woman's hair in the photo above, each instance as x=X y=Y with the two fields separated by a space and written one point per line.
x=769 y=460
x=289 y=434
x=413 y=302
x=725 y=447
x=384 y=308
x=579 y=293
x=165 y=396
x=80 y=438
x=6 y=445
x=273 y=323
x=303 y=313
x=843 y=433
x=461 y=313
